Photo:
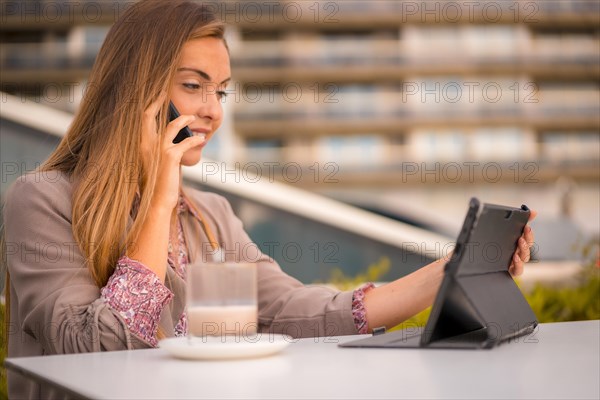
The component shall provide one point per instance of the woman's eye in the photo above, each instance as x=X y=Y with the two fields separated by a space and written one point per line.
x=193 y=86
x=222 y=94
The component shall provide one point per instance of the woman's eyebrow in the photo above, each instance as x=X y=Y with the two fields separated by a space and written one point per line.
x=201 y=73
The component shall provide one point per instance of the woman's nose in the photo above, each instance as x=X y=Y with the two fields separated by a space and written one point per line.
x=211 y=105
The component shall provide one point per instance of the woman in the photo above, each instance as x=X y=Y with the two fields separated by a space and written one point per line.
x=98 y=238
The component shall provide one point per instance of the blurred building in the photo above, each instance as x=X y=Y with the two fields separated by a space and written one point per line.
x=374 y=86
x=355 y=96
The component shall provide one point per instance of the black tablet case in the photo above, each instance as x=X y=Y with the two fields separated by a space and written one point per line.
x=478 y=304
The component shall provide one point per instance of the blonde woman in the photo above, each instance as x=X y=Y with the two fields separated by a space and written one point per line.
x=98 y=238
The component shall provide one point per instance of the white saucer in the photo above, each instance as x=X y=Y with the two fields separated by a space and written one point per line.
x=225 y=347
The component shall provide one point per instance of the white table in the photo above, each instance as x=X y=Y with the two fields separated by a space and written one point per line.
x=560 y=360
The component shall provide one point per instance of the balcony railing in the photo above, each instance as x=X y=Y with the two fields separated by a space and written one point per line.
x=279 y=124
x=58 y=15
x=332 y=15
x=276 y=59
x=20 y=15
x=413 y=171
x=449 y=114
x=41 y=56
x=322 y=53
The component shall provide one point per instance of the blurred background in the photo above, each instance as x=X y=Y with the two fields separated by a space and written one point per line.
x=357 y=131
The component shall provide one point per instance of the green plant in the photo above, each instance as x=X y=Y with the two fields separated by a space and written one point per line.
x=566 y=304
x=575 y=303
x=373 y=273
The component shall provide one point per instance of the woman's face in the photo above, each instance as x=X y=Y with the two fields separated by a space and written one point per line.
x=199 y=89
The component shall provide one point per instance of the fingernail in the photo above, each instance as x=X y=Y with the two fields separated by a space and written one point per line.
x=517 y=258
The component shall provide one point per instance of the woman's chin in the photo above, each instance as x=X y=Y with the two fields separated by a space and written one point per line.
x=191 y=157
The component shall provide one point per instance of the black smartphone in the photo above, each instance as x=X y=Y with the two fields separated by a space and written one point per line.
x=183 y=133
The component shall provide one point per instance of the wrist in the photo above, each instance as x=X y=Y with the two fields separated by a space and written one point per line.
x=158 y=211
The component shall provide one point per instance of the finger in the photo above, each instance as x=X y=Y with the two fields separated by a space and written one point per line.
x=523 y=250
x=532 y=215
x=528 y=235
x=517 y=268
x=155 y=106
x=189 y=143
x=176 y=125
x=149 y=120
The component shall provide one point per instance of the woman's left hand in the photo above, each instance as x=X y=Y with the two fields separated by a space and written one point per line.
x=522 y=254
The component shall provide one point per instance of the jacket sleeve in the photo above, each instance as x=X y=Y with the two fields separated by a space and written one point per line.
x=59 y=304
x=285 y=305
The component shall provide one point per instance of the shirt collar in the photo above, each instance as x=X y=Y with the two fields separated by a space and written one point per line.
x=182 y=206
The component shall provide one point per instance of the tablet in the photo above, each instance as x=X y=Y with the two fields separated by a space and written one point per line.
x=478 y=304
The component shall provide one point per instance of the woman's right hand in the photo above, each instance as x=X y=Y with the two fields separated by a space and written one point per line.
x=166 y=190
x=155 y=227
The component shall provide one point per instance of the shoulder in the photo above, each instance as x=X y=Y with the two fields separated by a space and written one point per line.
x=40 y=189
x=42 y=181
x=209 y=203
x=220 y=217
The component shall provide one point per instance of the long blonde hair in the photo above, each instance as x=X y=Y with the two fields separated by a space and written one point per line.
x=101 y=150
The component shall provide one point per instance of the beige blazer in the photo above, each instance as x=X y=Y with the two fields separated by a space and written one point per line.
x=55 y=306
